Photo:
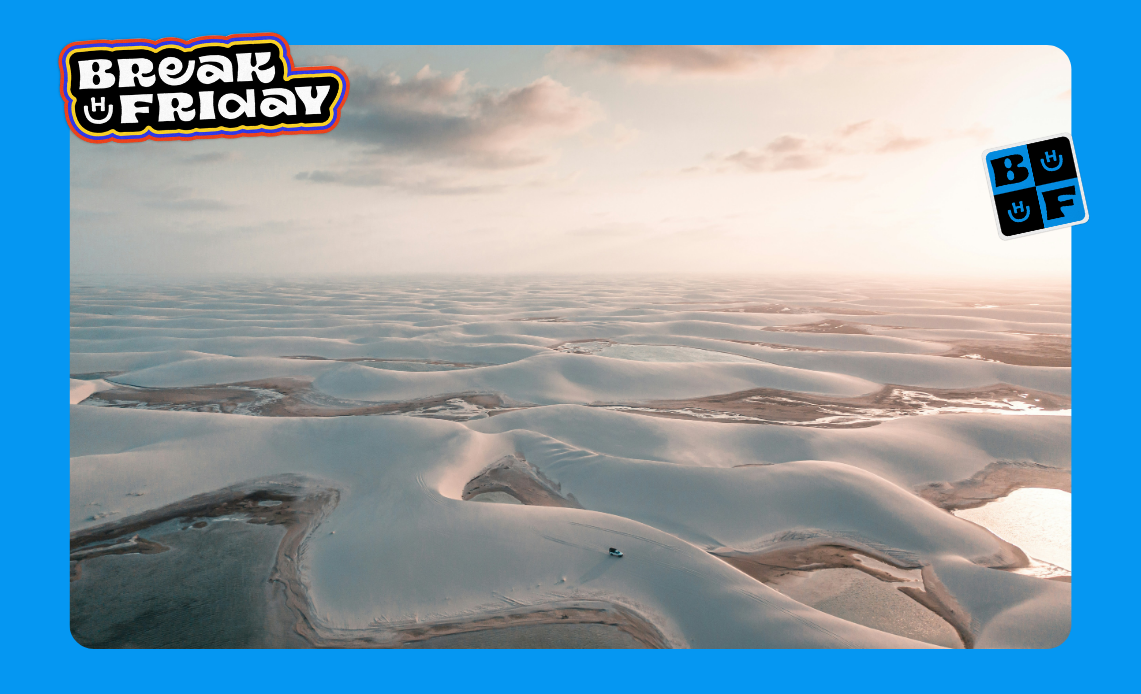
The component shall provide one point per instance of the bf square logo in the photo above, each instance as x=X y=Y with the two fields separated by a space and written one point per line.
x=1036 y=187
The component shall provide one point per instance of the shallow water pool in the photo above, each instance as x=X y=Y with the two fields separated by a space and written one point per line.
x=1036 y=520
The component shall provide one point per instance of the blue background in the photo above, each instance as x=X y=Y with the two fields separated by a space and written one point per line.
x=38 y=651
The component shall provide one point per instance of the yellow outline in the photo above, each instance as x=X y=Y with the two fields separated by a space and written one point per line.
x=199 y=131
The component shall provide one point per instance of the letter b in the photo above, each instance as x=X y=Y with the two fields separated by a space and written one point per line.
x=1009 y=170
x=94 y=74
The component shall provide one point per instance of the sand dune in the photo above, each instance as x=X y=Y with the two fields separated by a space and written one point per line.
x=476 y=473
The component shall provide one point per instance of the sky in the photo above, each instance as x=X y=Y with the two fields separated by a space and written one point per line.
x=611 y=159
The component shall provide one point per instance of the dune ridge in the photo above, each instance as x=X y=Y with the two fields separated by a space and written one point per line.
x=438 y=462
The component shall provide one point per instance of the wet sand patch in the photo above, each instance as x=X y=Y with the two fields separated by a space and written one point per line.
x=494 y=498
x=791 y=565
x=773 y=564
x=289 y=397
x=514 y=476
x=995 y=481
x=587 y=346
x=554 y=635
x=780 y=347
x=648 y=353
x=1036 y=350
x=856 y=597
x=130 y=545
x=413 y=365
x=831 y=327
x=783 y=309
x=772 y=406
x=543 y=623
x=935 y=597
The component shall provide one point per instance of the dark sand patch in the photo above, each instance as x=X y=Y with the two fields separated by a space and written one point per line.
x=289 y=397
x=995 y=481
x=935 y=597
x=833 y=327
x=781 y=308
x=587 y=346
x=540 y=319
x=1036 y=350
x=131 y=545
x=544 y=624
x=772 y=406
x=771 y=565
x=781 y=348
x=514 y=476
x=857 y=597
x=554 y=635
x=398 y=364
x=781 y=563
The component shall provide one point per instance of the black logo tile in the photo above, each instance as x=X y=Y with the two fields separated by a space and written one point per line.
x=1018 y=212
x=1052 y=161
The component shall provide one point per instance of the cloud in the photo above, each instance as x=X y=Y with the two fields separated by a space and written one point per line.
x=853 y=128
x=192 y=204
x=787 y=152
x=903 y=144
x=619 y=137
x=211 y=158
x=443 y=118
x=692 y=60
x=791 y=152
x=390 y=178
x=179 y=198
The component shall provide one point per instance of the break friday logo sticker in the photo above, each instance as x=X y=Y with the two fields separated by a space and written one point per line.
x=1036 y=187
x=213 y=86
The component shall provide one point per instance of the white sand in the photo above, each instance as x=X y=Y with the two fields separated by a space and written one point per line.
x=81 y=390
x=664 y=491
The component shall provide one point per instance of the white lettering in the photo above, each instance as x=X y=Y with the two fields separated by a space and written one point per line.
x=131 y=68
x=312 y=103
x=168 y=69
x=93 y=74
x=246 y=70
x=177 y=102
x=276 y=102
x=206 y=105
x=245 y=108
x=128 y=104
x=215 y=68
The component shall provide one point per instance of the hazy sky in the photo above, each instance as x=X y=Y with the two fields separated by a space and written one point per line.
x=599 y=159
